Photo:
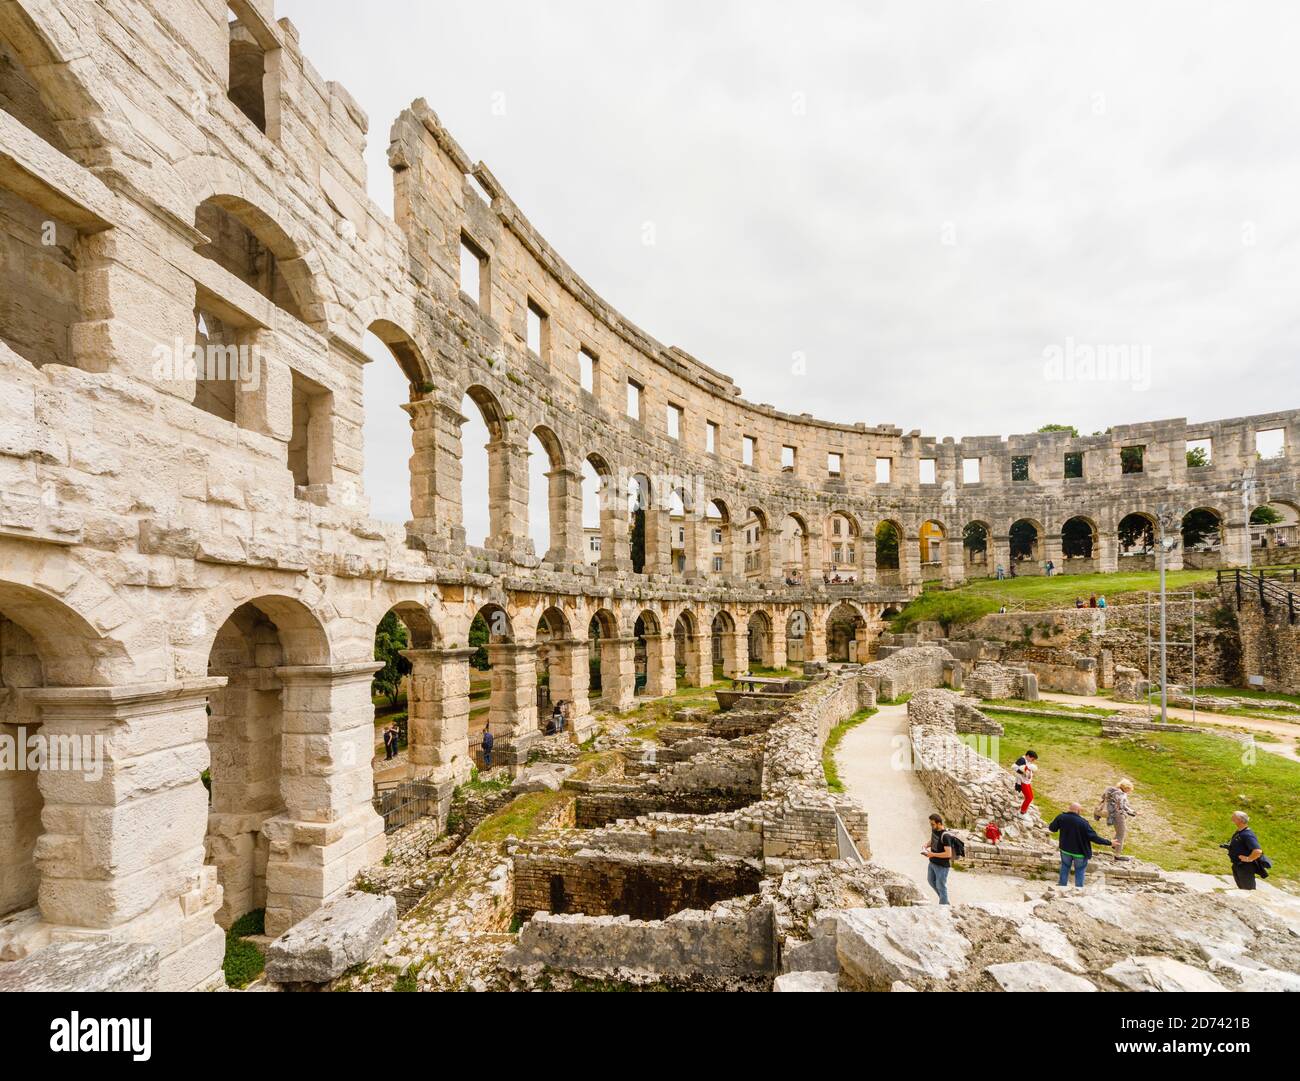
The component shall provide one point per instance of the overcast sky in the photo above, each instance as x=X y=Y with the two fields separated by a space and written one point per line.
x=923 y=203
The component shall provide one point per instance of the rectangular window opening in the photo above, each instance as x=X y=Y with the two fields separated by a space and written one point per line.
x=929 y=471
x=884 y=470
x=970 y=470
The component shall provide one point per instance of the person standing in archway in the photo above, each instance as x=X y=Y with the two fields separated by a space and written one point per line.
x=487 y=745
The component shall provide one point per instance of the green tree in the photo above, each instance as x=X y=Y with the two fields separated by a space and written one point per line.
x=1200 y=526
x=1264 y=515
x=1061 y=428
x=886 y=546
x=478 y=638
x=1196 y=457
x=390 y=639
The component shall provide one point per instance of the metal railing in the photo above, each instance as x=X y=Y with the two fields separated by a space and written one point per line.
x=1269 y=590
x=400 y=803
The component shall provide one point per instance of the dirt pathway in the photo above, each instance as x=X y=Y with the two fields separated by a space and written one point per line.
x=1286 y=731
x=897 y=809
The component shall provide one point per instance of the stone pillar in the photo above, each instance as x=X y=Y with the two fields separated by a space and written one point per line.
x=435 y=466
x=512 y=710
x=1107 y=551
x=867 y=558
x=438 y=714
x=660 y=666
x=615 y=551
x=1001 y=555
x=124 y=817
x=863 y=636
x=696 y=548
x=699 y=660
x=658 y=541
x=909 y=561
x=571 y=682
x=1235 y=546
x=1052 y=550
x=778 y=650
x=564 y=492
x=735 y=652
x=814 y=641
x=954 y=561
x=618 y=673
x=328 y=830
x=508 y=496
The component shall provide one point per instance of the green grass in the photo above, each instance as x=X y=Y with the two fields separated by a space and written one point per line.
x=1187 y=784
x=1248 y=692
x=1052 y=704
x=520 y=818
x=244 y=961
x=983 y=596
x=837 y=733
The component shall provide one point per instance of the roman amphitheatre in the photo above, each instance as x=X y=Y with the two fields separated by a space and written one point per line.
x=745 y=615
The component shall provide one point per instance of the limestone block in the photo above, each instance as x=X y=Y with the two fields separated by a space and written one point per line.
x=1161 y=974
x=94 y=965
x=807 y=981
x=1036 y=976
x=342 y=933
x=541 y=777
x=878 y=946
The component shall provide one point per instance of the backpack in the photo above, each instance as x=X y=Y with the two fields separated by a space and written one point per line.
x=957 y=845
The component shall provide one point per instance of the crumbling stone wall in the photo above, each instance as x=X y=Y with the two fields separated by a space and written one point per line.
x=1270 y=646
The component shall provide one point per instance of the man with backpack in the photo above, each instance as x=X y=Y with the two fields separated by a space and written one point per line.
x=487 y=746
x=1245 y=852
x=1077 y=839
x=1117 y=810
x=943 y=848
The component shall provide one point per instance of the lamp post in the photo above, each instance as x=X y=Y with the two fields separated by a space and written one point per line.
x=1166 y=545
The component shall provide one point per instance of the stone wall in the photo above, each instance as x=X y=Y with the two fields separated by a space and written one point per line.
x=906 y=669
x=1270 y=646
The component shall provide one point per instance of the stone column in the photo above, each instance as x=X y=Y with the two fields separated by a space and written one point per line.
x=125 y=815
x=328 y=830
x=1001 y=555
x=564 y=491
x=615 y=550
x=435 y=466
x=909 y=561
x=658 y=541
x=699 y=660
x=438 y=714
x=1106 y=551
x=571 y=682
x=1051 y=549
x=867 y=558
x=1235 y=550
x=618 y=673
x=954 y=561
x=696 y=531
x=508 y=496
x=512 y=710
x=660 y=667
x=814 y=641
x=735 y=652
x=778 y=650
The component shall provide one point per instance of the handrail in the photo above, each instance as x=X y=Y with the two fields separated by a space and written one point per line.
x=1268 y=591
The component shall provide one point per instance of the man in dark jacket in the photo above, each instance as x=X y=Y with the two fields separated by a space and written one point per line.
x=1077 y=839
x=1244 y=851
x=487 y=746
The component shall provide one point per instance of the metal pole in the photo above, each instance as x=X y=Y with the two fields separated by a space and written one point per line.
x=1164 y=688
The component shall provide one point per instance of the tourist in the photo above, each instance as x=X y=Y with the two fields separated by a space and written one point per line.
x=1115 y=806
x=991 y=832
x=487 y=745
x=1092 y=601
x=1101 y=600
x=1245 y=852
x=1077 y=839
x=1026 y=764
x=1001 y=574
x=1002 y=610
x=939 y=853
x=1078 y=602
x=388 y=743
x=391 y=738
x=1050 y=567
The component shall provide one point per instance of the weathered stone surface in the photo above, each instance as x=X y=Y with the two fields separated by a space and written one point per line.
x=807 y=981
x=342 y=933
x=1036 y=976
x=878 y=946
x=84 y=966
x=541 y=777
x=1161 y=974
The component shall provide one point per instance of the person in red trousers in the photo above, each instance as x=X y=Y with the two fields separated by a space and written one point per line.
x=1025 y=766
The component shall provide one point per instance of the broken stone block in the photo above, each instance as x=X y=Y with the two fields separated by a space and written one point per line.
x=342 y=933
x=878 y=946
x=807 y=981
x=1036 y=976
x=98 y=965
x=1161 y=974
x=541 y=777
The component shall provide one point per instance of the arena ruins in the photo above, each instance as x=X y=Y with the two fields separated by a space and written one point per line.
x=190 y=580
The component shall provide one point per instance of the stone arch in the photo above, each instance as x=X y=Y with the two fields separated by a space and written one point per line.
x=1274 y=530
x=409 y=356
x=798 y=635
x=760 y=559
x=549 y=513
x=495 y=462
x=760 y=639
x=1201 y=531
x=720 y=526
x=933 y=541
x=976 y=546
x=796 y=549
x=1025 y=544
x=1137 y=533
x=846 y=634
x=603 y=526
x=646 y=653
x=642 y=524
x=890 y=539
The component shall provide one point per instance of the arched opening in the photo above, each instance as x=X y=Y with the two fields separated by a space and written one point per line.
x=717 y=521
x=761 y=646
x=1273 y=532
x=1137 y=539
x=39 y=291
x=552 y=628
x=1079 y=544
x=932 y=539
x=840 y=559
x=484 y=478
x=721 y=631
x=975 y=548
x=546 y=494
x=1024 y=547
x=602 y=631
x=755 y=541
x=599 y=513
x=248 y=244
x=647 y=623
x=846 y=638
x=489 y=692
x=797 y=626
x=246 y=721
x=889 y=548
x=389 y=434
x=681 y=556
x=684 y=643
x=405 y=626
x=795 y=550
x=640 y=501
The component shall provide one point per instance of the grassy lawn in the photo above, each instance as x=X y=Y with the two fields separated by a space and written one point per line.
x=1052 y=704
x=1187 y=784
x=983 y=596
x=1249 y=692
x=837 y=733
x=646 y=720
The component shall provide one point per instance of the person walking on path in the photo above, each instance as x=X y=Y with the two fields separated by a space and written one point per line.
x=1244 y=851
x=1077 y=839
x=1117 y=810
x=1025 y=766
x=487 y=745
x=939 y=853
